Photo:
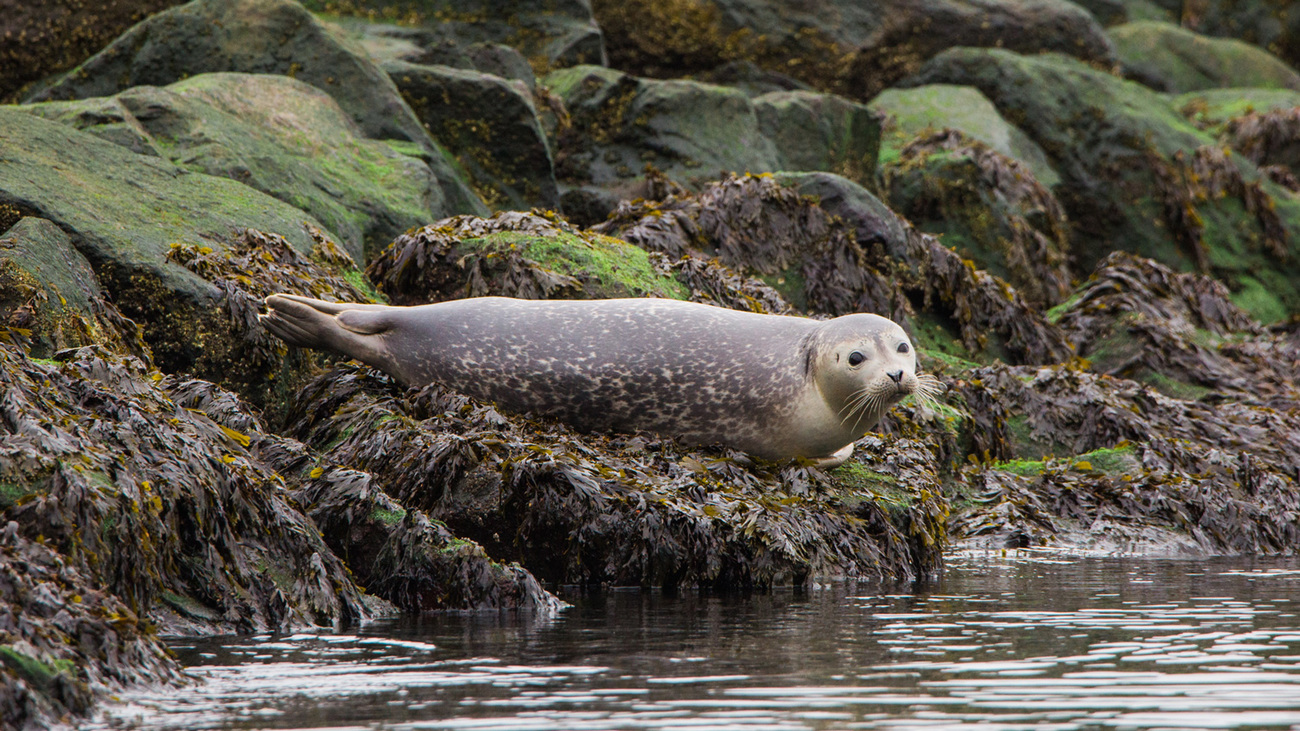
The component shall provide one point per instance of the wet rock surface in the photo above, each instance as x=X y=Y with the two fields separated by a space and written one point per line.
x=1104 y=276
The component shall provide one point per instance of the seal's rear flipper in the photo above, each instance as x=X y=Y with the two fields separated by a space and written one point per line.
x=313 y=323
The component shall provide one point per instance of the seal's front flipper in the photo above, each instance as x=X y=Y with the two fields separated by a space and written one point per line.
x=835 y=460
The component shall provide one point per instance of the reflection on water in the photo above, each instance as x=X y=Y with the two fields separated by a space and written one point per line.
x=997 y=644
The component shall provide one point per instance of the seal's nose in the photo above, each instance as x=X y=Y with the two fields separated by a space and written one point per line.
x=897 y=376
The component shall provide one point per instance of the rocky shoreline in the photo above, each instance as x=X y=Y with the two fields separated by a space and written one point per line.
x=1085 y=214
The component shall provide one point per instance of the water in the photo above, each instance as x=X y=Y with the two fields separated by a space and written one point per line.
x=998 y=644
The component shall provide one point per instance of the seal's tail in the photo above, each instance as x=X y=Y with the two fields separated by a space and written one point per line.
x=313 y=323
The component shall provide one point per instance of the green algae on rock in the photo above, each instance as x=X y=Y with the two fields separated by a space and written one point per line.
x=1172 y=59
x=987 y=207
x=512 y=254
x=1138 y=176
x=52 y=298
x=490 y=125
x=264 y=37
x=275 y=134
x=933 y=107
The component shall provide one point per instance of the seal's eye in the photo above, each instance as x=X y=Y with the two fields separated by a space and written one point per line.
x=902 y=348
x=856 y=358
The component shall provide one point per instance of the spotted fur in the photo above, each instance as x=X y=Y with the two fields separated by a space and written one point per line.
x=701 y=373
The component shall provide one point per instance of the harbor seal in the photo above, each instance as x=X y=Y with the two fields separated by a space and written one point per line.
x=774 y=386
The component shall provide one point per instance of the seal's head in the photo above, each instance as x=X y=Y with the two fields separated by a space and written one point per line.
x=864 y=364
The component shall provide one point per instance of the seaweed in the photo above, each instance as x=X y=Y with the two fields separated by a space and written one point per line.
x=590 y=509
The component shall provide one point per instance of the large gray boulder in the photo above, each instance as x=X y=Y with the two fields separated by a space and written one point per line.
x=1137 y=176
x=276 y=134
x=490 y=125
x=853 y=47
x=264 y=37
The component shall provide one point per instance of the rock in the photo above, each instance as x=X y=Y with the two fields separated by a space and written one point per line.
x=516 y=255
x=1108 y=12
x=1270 y=139
x=125 y=212
x=263 y=37
x=986 y=207
x=407 y=558
x=687 y=130
x=935 y=107
x=1273 y=26
x=1168 y=58
x=50 y=291
x=490 y=125
x=848 y=47
x=1178 y=333
x=1211 y=478
x=67 y=643
x=618 y=510
x=173 y=512
x=812 y=131
x=865 y=261
x=277 y=135
x=40 y=39
x=751 y=78
x=692 y=132
x=1136 y=175
x=1210 y=109
x=550 y=34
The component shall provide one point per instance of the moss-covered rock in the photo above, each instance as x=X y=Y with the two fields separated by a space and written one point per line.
x=127 y=230
x=933 y=107
x=50 y=296
x=1210 y=109
x=812 y=131
x=275 y=134
x=1270 y=139
x=847 y=47
x=1138 y=176
x=264 y=37
x=40 y=39
x=1169 y=58
x=549 y=33
x=986 y=207
x=490 y=125
x=619 y=124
